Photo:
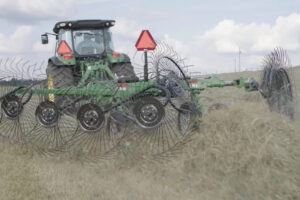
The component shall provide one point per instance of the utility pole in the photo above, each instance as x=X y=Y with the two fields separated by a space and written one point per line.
x=234 y=64
x=240 y=59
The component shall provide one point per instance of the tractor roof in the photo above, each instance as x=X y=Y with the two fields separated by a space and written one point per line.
x=83 y=24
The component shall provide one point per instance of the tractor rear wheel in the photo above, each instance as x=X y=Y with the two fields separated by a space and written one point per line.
x=124 y=72
x=60 y=77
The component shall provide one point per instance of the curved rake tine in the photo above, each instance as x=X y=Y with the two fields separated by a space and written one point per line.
x=164 y=141
x=93 y=146
x=52 y=139
x=89 y=143
x=276 y=84
x=12 y=80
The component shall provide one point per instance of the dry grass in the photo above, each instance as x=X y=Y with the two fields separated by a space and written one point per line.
x=244 y=152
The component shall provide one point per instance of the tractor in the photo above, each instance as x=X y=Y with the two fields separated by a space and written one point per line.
x=84 y=52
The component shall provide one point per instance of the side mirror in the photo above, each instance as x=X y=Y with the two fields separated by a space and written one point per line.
x=44 y=38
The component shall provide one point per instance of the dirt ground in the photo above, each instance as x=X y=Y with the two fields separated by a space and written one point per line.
x=240 y=152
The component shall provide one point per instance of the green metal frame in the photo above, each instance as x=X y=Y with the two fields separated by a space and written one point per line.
x=108 y=91
x=94 y=71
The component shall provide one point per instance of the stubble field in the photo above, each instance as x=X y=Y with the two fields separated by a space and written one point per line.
x=243 y=151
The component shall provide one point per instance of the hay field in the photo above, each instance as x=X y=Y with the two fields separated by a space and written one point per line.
x=243 y=152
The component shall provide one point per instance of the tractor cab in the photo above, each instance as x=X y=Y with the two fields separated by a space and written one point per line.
x=82 y=38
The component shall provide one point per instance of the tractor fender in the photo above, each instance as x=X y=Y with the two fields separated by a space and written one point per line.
x=126 y=58
x=123 y=58
x=55 y=61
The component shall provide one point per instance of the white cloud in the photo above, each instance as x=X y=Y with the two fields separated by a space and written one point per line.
x=30 y=11
x=217 y=49
x=179 y=46
x=20 y=41
x=126 y=29
x=24 y=41
x=46 y=48
x=227 y=36
x=87 y=2
x=125 y=34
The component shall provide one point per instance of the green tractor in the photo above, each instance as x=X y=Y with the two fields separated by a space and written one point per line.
x=85 y=52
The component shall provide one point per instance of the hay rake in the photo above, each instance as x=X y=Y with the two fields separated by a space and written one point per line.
x=95 y=106
x=146 y=117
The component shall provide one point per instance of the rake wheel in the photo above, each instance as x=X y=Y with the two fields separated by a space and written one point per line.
x=276 y=84
x=12 y=106
x=148 y=112
x=90 y=117
x=47 y=114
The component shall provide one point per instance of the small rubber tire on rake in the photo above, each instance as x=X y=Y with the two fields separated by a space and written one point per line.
x=148 y=112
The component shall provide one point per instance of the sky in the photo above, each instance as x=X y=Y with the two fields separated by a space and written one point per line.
x=207 y=34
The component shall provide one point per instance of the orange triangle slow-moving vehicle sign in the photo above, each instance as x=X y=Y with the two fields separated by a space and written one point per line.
x=145 y=41
x=63 y=48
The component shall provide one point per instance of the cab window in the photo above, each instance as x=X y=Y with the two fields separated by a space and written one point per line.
x=89 y=42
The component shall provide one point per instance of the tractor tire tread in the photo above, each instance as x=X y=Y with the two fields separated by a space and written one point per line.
x=62 y=76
